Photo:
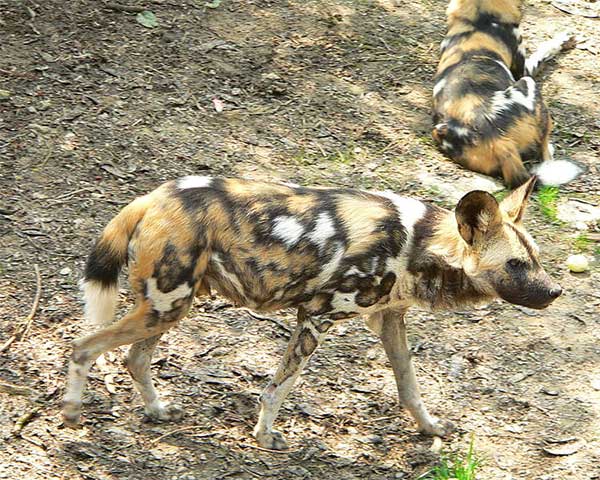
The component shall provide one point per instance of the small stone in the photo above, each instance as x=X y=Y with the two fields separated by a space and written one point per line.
x=4 y=94
x=578 y=263
x=65 y=271
x=596 y=384
x=236 y=91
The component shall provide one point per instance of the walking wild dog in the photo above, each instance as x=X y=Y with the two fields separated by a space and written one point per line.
x=488 y=112
x=332 y=253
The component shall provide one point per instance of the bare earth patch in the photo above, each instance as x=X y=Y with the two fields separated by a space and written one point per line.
x=96 y=109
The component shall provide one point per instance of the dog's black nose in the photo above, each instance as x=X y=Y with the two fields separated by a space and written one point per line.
x=555 y=292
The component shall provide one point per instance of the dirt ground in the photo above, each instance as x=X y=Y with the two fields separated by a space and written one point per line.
x=96 y=109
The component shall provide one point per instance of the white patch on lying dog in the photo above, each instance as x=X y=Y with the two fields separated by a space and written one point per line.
x=506 y=69
x=324 y=229
x=194 y=181
x=444 y=44
x=288 y=229
x=557 y=172
x=437 y=88
x=446 y=145
x=163 y=302
x=545 y=52
x=504 y=99
x=517 y=33
x=461 y=131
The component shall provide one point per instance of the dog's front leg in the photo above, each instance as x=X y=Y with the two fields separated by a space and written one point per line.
x=306 y=338
x=389 y=325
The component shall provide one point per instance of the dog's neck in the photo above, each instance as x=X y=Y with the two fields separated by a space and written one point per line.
x=441 y=265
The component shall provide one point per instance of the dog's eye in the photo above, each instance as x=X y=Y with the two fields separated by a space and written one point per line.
x=514 y=263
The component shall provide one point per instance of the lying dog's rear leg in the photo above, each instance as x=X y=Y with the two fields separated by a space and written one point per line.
x=138 y=364
x=513 y=171
x=390 y=327
x=306 y=338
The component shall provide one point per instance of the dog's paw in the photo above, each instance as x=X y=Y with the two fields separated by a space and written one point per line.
x=169 y=412
x=272 y=440
x=437 y=428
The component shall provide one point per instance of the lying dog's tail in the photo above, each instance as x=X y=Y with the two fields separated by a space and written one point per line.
x=104 y=263
x=563 y=41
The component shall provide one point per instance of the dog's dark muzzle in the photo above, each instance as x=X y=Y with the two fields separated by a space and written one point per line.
x=536 y=295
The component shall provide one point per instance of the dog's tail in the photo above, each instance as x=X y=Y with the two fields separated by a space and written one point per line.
x=100 y=280
x=563 y=41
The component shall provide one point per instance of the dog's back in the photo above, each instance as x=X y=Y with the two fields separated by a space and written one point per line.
x=489 y=115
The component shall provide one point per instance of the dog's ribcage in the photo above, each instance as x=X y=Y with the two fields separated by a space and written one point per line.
x=335 y=252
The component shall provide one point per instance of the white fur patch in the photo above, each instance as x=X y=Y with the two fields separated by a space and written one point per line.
x=506 y=69
x=324 y=230
x=461 y=131
x=287 y=229
x=100 y=302
x=444 y=44
x=194 y=181
x=330 y=267
x=233 y=279
x=163 y=302
x=557 y=172
x=502 y=101
x=437 y=88
x=344 y=302
x=446 y=145
x=411 y=210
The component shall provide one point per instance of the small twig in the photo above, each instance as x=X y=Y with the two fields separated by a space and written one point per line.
x=28 y=321
x=258 y=316
x=270 y=450
x=24 y=420
x=182 y=429
x=61 y=198
x=124 y=8
x=12 y=389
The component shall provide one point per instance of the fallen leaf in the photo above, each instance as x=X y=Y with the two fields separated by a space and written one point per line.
x=213 y=4
x=147 y=19
x=109 y=383
x=565 y=448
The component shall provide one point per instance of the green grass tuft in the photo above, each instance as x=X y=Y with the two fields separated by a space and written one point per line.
x=456 y=467
x=582 y=243
x=547 y=197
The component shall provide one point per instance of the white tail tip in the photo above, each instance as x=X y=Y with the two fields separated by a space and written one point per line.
x=100 y=302
x=557 y=172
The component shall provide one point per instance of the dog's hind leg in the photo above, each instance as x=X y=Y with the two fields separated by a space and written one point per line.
x=390 y=327
x=511 y=164
x=138 y=364
x=307 y=336
x=141 y=323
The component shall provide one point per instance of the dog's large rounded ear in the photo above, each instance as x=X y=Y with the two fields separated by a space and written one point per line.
x=515 y=204
x=476 y=214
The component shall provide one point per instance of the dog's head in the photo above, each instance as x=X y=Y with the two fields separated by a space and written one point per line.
x=501 y=256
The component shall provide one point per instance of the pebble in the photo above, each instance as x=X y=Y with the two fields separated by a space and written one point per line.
x=578 y=263
x=65 y=271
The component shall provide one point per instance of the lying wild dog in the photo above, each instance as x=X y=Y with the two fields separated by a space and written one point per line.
x=332 y=253
x=488 y=112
